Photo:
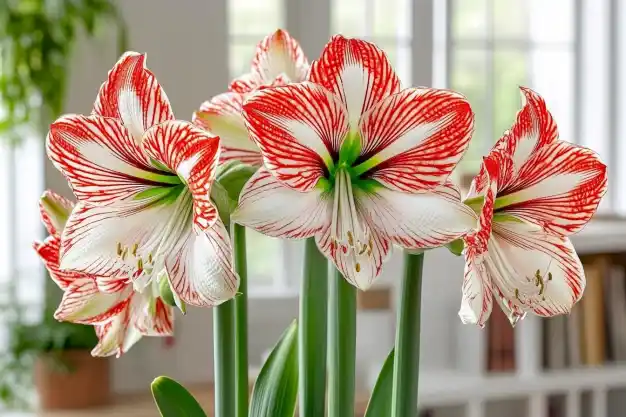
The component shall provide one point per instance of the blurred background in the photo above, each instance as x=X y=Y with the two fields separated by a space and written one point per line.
x=55 y=55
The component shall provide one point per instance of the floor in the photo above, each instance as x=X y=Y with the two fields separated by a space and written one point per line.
x=141 y=406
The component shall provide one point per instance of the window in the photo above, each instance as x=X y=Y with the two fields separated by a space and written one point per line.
x=249 y=22
x=494 y=46
x=384 y=22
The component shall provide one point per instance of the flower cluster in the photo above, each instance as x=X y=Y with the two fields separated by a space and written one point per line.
x=342 y=154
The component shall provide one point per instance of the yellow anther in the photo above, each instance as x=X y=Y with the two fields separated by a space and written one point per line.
x=124 y=253
x=549 y=276
x=135 y=247
x=150 y=258
x=517 y=295
x=140 y=264
x=119 y=248
x=350 y=239
x=357 y=267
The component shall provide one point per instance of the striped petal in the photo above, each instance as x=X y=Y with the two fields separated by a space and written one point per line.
x=49 y=251
x=94 y=235
x=100 y=159
x=298 y=128
x=116 y=336
x=154 y=318
x=559 y=189
x=246 y=83
x=54 y=211
x=133 y=95
x=534 y=270
x=356 y=71
x=359 y=270
x=477 y=295
x=200 y=267
x=191 y=153
x=413 y=140
x=83 y=302
x=415 y=221
x=271 y=208
x=222 y=116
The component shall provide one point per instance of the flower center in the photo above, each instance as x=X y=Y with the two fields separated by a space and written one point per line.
x=145 y=259
x=347 y=231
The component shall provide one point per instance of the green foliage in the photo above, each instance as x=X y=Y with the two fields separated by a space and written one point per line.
x=380 y=401
x=37 y=38
x=276 y=388
x=173 y=400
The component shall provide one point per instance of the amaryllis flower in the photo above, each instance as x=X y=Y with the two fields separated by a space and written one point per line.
x=532 y=192
x=355 y=162
x=143 y=183
x=279 y=60
x=120 y=315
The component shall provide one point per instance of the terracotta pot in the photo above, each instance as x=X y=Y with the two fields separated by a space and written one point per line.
x=85 y=384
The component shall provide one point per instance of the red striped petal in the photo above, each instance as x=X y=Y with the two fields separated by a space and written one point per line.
x=358 y=270
x=54 y=211
x=155 y=318
x=415 y=221
x=477 y=293
x=100 y=159
x=273 y=209
x=414 y=139
x=84 y=303
x=559 y=188
x=116 y=336
x=191 y=153
x=277 y=55
x=534 y=270
x=49 y=251
x=222 y=116
x=356 y=71
x=133 y=95
x=298 y=128
x=200 y=267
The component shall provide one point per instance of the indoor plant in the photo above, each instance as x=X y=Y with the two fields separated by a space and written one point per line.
x=340 y=156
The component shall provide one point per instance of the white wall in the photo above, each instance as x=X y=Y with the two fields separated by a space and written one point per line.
x=186 y=47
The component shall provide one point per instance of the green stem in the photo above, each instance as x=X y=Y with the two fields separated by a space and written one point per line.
x=241 y=323
x=406 y=365
x=224 y=358
x=341 y=347
x=312 y=332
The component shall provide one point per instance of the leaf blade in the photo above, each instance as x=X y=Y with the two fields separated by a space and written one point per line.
x=276 y=388
x=380 y=402
x=173 y=400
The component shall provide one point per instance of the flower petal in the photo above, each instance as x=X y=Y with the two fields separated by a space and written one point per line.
x=116 y=336
x=191 y=153
x=246 y=83
x=101 y=161
x=49 y=251
x=477 y=291
x=222 y=116
x=133 y=95
x=358 y=270
x=415 y=221
x=271 y=208
x=93 y=235
x=356 y=71
x=54 y=211
x=279 y=54
x=413 y=140
x=534 y=270
x=298 y=128
x=84 y=303
x=559 y=188
x=154 y=318
x=200 y=267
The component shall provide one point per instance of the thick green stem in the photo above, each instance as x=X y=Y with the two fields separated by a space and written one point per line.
x=224 y=358
x=341 y=347
x=312 y=332
x=241 y=323
x=406 y=365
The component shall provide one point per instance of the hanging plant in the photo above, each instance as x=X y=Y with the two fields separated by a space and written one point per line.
x=37 y=39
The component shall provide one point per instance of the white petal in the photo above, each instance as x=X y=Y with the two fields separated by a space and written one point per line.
x=477 y=300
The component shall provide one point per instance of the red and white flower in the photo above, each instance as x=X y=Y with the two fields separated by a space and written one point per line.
x=532 y=192
x=120 y=315
x=279 y=60
x=143 y=183
x=355 y=162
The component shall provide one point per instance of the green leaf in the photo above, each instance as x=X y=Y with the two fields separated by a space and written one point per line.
x=276 y=388
x=456 y=247
x=173 y=400
x=233 y=176
x=380 y=401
